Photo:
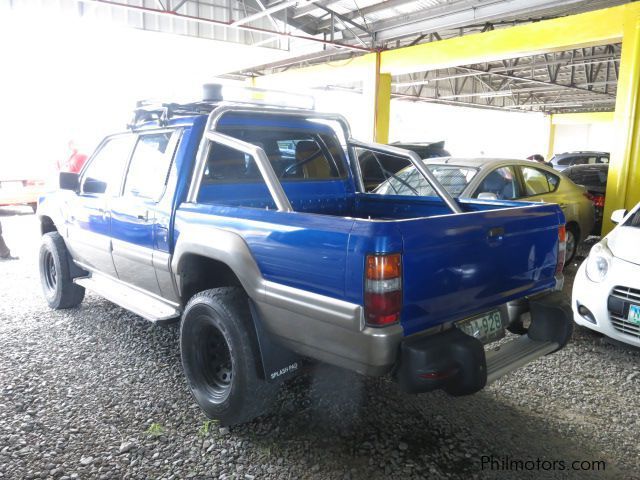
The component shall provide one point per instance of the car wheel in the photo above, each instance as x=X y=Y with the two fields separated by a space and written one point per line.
x=572 y=244
x=55 y=276
x=220 y=358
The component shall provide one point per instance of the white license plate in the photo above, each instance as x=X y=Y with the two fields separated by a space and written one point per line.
x=11 y=186
x=486 y=328
x=634 y=314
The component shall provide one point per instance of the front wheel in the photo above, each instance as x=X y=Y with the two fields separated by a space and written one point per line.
x=220 y=357
x=55 y=276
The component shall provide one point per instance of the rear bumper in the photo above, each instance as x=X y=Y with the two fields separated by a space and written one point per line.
x=458 y=363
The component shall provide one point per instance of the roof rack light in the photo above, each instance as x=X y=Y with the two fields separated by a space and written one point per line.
x=215 y=92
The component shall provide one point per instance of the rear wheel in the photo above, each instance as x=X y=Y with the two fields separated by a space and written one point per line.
x=55 y=276
x=220 y=357
x=572 y=243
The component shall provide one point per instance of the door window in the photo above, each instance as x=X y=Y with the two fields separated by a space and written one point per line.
x=501 y=182
x=104 y=173
x=538 y=182
x=150 y=163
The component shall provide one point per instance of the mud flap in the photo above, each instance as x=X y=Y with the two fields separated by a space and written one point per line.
x=278 y=362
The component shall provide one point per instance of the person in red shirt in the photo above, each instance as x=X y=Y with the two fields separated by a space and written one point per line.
x=75 y=161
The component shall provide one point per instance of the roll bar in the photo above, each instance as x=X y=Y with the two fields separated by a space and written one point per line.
x=264 y=165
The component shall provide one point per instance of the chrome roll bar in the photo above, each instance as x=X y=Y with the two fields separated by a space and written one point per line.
x=415 y=159
x=264 y=165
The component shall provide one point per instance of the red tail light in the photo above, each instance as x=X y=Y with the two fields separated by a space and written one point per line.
x=598 y=200
x=562 y=248
x=383 y=289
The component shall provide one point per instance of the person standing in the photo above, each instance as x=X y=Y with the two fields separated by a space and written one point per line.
x=5 y=253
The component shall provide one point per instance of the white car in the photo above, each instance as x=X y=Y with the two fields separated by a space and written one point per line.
x=606 y=291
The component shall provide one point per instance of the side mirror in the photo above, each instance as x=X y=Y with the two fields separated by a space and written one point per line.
x=487 y=196
x=618 y=215
x=69 y=181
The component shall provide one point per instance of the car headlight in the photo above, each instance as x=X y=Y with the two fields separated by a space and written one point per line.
x=598 y=262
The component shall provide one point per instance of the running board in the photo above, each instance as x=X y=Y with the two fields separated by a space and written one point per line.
x=515 y=354
x=129 y=298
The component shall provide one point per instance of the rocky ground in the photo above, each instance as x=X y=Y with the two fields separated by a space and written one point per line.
x=97 y=392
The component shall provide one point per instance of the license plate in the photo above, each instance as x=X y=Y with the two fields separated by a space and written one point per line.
x=486 y=328
x=634 y=314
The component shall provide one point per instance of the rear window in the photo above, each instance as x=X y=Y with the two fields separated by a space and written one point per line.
x=295 y=155
x=538 y=182
x=591 y=178
x=410 y=182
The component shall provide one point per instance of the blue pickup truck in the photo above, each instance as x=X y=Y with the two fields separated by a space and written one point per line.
x=249 y=224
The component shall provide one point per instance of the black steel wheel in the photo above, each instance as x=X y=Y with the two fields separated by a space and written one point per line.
x=220 y=357
x=55 y=276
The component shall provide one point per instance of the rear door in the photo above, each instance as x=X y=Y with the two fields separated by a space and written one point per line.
x=88 y=215
x=134 y=214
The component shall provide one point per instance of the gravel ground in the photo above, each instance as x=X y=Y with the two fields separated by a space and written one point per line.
x=97 y=392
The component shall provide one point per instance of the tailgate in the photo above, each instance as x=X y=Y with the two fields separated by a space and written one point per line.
x=458 y=265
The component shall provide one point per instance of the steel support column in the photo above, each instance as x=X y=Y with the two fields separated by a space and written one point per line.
x=623 y=184
x=552 y=139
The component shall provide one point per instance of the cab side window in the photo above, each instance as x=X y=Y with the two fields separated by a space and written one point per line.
x=150 y=163
x=104 y=174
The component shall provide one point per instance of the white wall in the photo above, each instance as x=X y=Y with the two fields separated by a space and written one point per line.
x=593 y=136
x=470 y=132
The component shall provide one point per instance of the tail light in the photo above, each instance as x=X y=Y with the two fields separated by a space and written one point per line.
x=383 y=289
x=33 y=183
x=598 y=200
x=562 y=248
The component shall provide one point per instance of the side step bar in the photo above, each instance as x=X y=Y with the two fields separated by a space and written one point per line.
x=137 y=301
x=515 y=354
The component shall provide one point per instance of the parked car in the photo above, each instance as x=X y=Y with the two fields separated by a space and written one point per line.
x=17 y=188
x=594 y=179
x=502 y=179
x=376 y=169
x=197 y=215
x=606 y=290
x=568 y=159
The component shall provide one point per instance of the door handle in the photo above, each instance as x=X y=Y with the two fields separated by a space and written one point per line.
x=495 y=233
x=143 y=216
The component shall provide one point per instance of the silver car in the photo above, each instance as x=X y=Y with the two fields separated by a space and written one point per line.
x=502 y=179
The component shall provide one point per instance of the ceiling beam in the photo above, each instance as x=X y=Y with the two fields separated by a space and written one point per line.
x=270 y=10
x=458 y=15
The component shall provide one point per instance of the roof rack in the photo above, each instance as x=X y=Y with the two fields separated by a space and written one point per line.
x=147 y=111
x=213 y=95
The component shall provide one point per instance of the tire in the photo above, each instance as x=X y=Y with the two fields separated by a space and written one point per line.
x=218 y=347
x=57 y=283
x=572 y=234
